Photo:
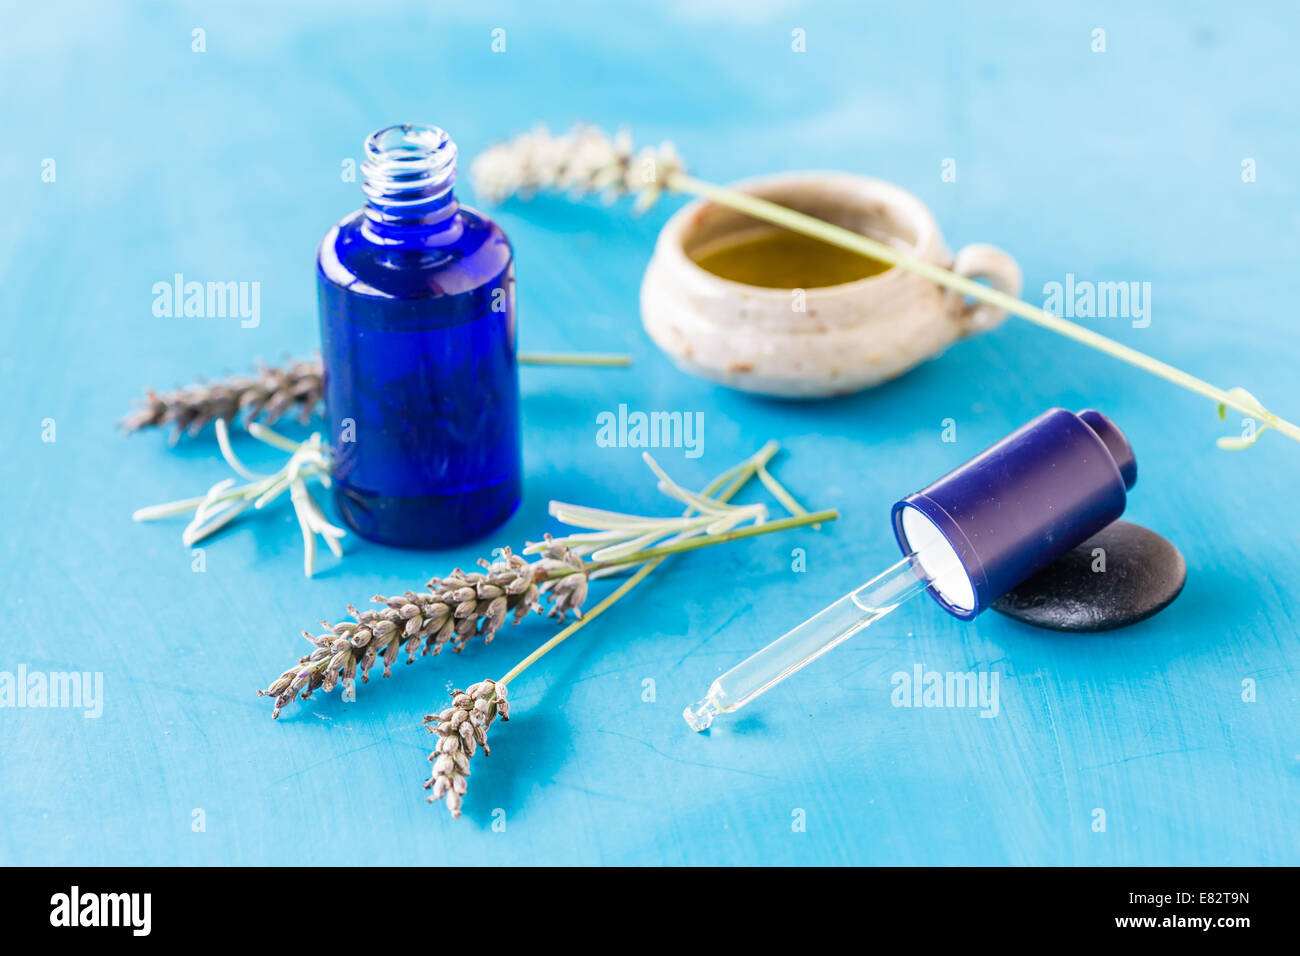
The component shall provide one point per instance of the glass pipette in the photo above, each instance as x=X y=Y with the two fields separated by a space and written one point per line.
x=825 y=630
x=968 y=538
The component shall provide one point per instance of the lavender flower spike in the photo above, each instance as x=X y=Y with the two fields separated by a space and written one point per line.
x=461 y=729
x=455 y=609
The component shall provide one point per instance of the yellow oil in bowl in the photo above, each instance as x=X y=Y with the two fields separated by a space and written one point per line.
x=785 y=260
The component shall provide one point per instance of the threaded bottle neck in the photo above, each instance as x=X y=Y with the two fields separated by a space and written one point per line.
x=407 y=177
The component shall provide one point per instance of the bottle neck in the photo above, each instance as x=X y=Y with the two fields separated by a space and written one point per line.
x=407 y=177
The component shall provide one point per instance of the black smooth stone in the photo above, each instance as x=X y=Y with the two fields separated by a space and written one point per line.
x=1144 y=573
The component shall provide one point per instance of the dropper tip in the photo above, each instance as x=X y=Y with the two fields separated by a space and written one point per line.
x=700 y=715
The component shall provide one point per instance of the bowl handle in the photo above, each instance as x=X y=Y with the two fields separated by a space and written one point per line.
x=982 y=261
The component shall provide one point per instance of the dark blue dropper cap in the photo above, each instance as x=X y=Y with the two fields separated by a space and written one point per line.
x=1018 y=506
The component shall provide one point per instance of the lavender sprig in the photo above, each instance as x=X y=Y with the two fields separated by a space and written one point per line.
x=588 y=160
x=585 y=160
x=453 y=610
x=461 y=729
x=270 y=393
x=274 y=391
x=465 y=605
x=469 y=717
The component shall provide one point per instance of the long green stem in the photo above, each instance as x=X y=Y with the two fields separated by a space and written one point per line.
x=874 y=249
x=587 y=617
x=574 y=358
x=654 y=557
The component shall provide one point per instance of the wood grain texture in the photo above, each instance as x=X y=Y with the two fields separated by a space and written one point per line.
x=226 y=165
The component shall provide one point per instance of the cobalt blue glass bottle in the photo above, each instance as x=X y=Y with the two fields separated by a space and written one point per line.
x=417 y=317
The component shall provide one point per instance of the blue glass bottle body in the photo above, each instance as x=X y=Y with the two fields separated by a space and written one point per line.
x=417 y=314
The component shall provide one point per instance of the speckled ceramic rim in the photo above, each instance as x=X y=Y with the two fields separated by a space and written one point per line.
x=778 y=188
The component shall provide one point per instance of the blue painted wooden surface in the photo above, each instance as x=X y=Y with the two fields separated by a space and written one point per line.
x=225 y=165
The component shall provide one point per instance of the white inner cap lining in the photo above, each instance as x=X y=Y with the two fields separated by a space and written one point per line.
x=938 y=559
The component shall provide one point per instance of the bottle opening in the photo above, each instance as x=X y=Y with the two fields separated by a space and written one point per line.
x=408 y=174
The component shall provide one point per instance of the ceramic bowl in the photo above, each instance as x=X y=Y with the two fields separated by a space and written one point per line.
x=822 y=341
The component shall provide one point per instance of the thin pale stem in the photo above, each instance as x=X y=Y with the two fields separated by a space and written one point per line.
x=737 y=477
x=780 y=494
x=874 y=249
x=581 y=622
x=270 y=436
x=574 y=358
x=735 y=534
x=154 y=512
